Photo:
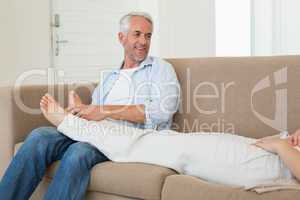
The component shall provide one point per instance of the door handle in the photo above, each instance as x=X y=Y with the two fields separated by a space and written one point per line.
x=56 y=21
x=58 y=42
x=61 y=41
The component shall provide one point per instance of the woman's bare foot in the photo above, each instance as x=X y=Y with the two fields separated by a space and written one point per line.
x=74 y=100
x=52 y=111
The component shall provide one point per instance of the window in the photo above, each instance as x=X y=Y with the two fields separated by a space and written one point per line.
x=233 y=27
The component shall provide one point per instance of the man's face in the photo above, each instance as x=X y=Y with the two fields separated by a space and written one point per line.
x=136 y=42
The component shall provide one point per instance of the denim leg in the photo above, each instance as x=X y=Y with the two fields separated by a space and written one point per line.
x=43 y=146
x=72 y=177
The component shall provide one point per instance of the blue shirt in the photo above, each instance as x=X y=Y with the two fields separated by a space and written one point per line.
x=154 y=85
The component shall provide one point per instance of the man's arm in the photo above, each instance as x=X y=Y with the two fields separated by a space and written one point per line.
x=156 y=108
x=291 y=157
x=288 y=154
x=132 y=113
x=165 y=96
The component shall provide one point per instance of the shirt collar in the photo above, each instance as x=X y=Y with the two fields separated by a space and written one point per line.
x=145 y=63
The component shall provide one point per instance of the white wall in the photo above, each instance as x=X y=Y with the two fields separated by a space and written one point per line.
x=33 y=33
x=26 y=38
x=151 y=7
x=32 y=37
x=187 y=28
x=7 y=41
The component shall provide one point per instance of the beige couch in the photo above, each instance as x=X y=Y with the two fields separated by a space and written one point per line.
x=249 y=96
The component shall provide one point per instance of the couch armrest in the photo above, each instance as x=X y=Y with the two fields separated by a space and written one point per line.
x=6 y=142
x=20 y=112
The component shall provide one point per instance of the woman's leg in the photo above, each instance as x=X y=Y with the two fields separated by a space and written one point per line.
x=51 y=110
x=81 y=132
x=110 y=138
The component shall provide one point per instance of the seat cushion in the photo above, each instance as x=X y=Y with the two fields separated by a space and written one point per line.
x=135 y=180
x=178 y=187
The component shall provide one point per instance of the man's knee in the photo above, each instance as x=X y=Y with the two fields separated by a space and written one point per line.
x=83 y=154
x=42 y=133
x=39 y=137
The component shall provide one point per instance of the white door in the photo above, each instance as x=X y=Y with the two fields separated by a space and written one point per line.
x=84 y=35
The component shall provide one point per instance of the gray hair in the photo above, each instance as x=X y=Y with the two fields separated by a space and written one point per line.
x=125 y=20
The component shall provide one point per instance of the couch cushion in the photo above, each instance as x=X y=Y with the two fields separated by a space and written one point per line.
x=178 y=187
x=135 y=180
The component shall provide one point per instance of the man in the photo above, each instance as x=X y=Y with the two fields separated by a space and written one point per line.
x=143 y=93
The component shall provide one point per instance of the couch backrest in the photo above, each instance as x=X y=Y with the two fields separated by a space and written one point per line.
x=251 y=96
x=228 y=84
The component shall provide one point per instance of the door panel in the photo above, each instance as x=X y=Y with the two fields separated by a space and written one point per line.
x=84 y=32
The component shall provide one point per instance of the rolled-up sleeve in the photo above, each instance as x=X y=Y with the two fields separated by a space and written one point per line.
x=164 y=98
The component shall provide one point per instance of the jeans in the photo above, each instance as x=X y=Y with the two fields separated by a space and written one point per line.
x=42 y=147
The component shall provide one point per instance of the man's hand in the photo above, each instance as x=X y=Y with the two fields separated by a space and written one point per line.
x=74 y=100
x=89 y=112
x=294 y=139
